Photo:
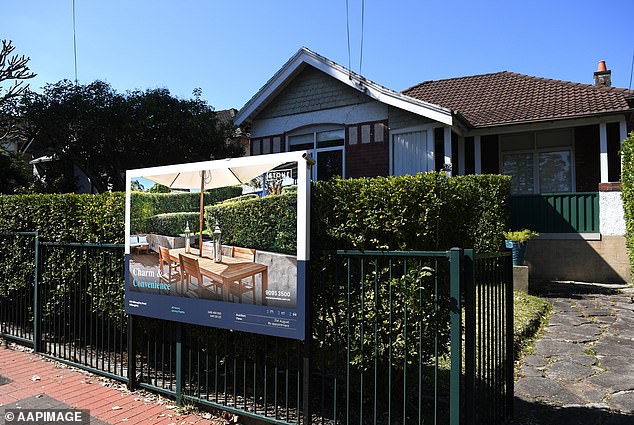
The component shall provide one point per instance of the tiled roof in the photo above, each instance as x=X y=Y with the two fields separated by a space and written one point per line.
x=509 y=98
x=226 y=116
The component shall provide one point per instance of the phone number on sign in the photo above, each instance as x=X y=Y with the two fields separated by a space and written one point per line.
x=274 y=293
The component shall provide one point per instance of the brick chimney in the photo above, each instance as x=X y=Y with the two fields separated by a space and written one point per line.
x=603 y=76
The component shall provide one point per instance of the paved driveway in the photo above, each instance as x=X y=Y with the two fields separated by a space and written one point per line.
x=582 y=368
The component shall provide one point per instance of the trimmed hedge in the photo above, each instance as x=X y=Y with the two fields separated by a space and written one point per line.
x=240 y=198
x=268 y=224
x=66 y=217
x=627 y=193
x=422 y=212
x=145 y=205
x=173 y=224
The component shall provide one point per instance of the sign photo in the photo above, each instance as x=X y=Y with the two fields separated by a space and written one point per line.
x=220 y=243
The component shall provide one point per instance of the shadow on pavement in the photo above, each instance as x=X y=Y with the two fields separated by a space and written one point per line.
x=527 y=413
x=572 y=290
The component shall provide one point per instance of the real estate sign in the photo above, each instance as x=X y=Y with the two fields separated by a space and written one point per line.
x=212 y=272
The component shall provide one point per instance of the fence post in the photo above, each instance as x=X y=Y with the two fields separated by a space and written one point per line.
x=470 y=332
x=36 y=292
x=510 y=329
x=131 y=354
x=307 y=345
x=455 y=311
x=179 y=363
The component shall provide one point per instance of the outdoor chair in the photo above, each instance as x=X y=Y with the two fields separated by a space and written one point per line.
x=241 y=287
x=173 y=272
x=139 y=243
x=189 y=268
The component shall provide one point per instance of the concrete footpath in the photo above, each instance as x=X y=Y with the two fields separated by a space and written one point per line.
x=28 y=380
x=582 y=368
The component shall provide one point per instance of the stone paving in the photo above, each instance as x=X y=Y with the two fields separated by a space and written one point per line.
x=582 y=368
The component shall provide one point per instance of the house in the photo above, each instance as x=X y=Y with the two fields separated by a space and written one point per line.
x=558 y=140
x=238 y=136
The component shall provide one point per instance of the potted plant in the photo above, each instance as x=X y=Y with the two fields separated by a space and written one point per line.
x=516 y=240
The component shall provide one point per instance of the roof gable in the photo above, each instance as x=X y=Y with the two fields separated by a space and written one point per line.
x=371 y=89
x=311 y=90
x=509 y=98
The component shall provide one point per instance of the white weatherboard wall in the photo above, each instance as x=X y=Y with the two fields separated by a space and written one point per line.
x=370 y=111
x=611 y=216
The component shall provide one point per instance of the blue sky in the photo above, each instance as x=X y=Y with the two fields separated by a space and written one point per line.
x=231 y=48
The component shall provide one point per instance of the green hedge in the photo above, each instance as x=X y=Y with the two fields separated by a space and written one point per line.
x=268 y=224
x=66 y=217
x=173 y=224
x=422 y=212
x=145 y=205
x=240 y=198
x=627 y=193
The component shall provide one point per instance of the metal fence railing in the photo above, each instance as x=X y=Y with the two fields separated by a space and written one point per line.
x=18 y=278
x=488 y=296
x=397 y=337
x=80 y=306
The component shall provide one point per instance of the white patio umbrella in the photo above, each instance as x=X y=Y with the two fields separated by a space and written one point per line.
x=210 y=179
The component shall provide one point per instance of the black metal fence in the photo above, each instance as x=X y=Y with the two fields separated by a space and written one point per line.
x=397 y=337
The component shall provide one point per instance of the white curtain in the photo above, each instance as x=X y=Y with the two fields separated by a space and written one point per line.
x=409 y=153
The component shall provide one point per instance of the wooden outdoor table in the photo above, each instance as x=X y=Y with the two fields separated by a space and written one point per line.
x=229 y=270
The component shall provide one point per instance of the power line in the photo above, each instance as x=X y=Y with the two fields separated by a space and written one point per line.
x=362 y=25
x=74 y=43
x=348 y=31
x=629 y=87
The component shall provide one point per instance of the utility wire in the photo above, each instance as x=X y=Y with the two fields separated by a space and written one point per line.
x=74 y=43
x=629 y=87
x=348 y=31
x=362 y=25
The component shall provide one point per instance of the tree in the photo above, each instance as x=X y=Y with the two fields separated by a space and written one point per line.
x=159 y=188
x=104 y=132
x=14 y=68
x=15 y=172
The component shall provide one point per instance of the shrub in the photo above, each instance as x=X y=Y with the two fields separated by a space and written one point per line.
x=144 y=205
x=627 y=193
x=520 y=236
x=66 y=217
x=268 y=224
x=422 y=212
x=240 y=198
x=173 y=224
x=289 y=189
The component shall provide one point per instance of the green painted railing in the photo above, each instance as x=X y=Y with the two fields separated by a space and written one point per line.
x=398 y=337
x=575 y=212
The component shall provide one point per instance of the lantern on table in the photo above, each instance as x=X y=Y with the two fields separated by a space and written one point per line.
x=217 y=244
x=187 y=235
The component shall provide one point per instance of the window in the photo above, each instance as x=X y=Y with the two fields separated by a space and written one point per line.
x=266 y=145
x=326 y=148
x=540 y=162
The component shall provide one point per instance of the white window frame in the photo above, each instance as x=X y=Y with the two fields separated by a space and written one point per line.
x=315 y=151
x=536 y=151
x=429 y=128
